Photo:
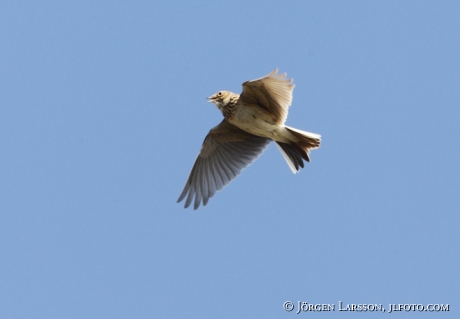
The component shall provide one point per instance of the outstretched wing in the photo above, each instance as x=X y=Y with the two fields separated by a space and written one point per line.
x=226 y=151
x=272 y=93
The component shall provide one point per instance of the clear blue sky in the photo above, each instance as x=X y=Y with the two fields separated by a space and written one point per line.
x=103 y=112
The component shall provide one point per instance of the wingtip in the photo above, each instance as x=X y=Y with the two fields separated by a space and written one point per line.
x=275 y=73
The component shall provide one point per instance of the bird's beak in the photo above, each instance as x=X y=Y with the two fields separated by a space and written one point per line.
x=211 y=98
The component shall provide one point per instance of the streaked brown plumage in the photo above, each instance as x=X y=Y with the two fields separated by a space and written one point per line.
x=251 y=121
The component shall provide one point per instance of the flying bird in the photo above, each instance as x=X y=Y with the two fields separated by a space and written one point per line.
x=251 y=121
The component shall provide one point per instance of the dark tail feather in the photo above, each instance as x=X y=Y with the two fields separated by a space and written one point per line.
x=292 y=156
x=298 y=150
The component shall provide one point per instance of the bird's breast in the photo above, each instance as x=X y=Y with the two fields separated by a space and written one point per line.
x=255 y=121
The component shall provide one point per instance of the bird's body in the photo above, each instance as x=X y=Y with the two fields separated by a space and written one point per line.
x=251 y=121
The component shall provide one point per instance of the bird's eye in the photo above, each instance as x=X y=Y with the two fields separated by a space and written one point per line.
x=219 y=94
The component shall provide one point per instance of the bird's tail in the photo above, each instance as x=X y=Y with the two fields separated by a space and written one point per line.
x=298 y=148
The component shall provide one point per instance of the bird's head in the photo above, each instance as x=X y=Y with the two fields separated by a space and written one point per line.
x=222 y=98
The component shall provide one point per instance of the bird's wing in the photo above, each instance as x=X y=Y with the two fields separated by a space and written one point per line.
x=272 y=92
x=226 y=151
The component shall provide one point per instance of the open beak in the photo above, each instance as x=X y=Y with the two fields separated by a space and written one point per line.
x=211 y=98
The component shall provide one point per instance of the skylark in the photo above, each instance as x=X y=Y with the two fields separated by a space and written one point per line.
x=251 y=121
